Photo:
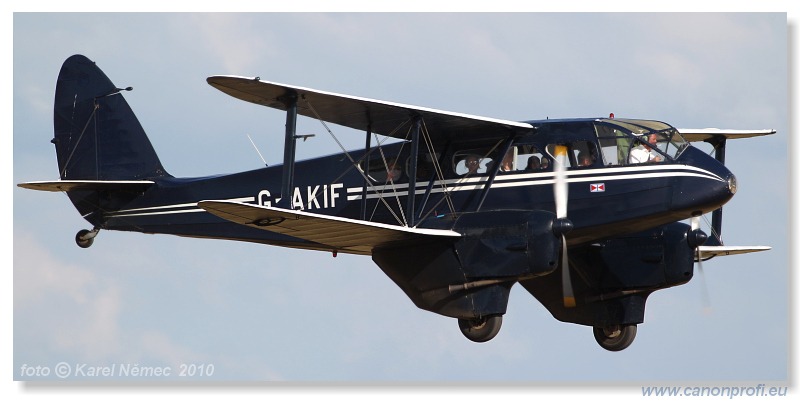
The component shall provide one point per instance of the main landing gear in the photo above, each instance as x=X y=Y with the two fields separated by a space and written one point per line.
x=611 y=338
x=615 y=337
x=85 y=238
x=481 y=330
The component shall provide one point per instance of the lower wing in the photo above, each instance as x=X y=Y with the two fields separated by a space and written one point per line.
x=338 y=233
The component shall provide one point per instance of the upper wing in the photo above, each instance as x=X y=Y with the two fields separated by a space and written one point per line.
x=88 y=185
x=339 y=234
x=707 y=252
x=710 y=134
x=366 y=114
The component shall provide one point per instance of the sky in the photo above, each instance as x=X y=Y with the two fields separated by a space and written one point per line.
x=258 y=313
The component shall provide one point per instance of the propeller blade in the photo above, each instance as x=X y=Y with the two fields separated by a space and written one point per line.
x=566 y=281
x=695 y=223
x=561 y=195
x=560 y=189
x=704 y=284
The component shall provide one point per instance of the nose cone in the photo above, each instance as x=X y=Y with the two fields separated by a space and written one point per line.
x=732 y=184
x=706 y=186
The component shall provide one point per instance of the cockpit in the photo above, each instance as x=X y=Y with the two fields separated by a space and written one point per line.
x=625 y=142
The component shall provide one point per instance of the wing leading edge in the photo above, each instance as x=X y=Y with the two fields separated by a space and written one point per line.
x=363 y=114
x=337 y=233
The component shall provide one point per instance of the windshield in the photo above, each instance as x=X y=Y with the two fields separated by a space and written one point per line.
x=627 y=141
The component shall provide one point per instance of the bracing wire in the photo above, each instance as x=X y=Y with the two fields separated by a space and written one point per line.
x=89 y=120
x=355 y=163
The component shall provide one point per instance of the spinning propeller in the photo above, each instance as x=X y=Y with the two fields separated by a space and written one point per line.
x=696 y=238
x=562 y=225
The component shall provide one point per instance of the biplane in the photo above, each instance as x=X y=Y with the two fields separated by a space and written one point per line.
x=588 y=215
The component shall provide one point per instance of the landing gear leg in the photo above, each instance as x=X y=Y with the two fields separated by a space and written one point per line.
x=85 y=238
x=615 y=337
x=481 y=330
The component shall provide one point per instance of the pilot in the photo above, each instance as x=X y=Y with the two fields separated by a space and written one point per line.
x=643 y=152
x=533 y=164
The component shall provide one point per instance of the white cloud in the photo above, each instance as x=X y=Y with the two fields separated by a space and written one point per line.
x=72 y=309
x=229 y=38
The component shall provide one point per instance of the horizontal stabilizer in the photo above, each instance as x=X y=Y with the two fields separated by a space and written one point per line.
x=707 y=252
x=340 y=234
x=87 y=185
x=710 y=134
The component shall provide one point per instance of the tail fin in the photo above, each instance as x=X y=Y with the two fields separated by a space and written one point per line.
x=97 y=136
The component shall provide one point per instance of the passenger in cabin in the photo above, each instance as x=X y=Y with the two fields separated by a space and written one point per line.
x=643 y=152
x=533 y=164
x=507 y=165
x=545 y=163
x=472 y=165
x=585 y=159
x=393 y=173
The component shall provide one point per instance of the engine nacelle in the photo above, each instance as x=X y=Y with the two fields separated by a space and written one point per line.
x=496 y=246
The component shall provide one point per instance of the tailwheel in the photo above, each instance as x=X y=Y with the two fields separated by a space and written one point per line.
x=615 y=337
x=482 y=329
x=85 y=238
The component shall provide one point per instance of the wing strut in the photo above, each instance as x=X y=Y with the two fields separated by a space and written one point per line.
x=365 y=158
x=412 y=171
x=718 y=142
x=290 y=100
x=716 y=216
x=718 y=139
x=493 y=174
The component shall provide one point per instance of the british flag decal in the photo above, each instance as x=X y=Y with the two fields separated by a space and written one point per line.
x=597 y=187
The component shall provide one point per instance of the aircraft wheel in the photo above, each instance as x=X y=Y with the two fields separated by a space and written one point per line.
x=481 y=330
x=615 y=338
x=82 y=240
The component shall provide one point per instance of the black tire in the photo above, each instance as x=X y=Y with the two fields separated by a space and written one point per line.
x=615 y=338
x=83 y=243
x=481 y=330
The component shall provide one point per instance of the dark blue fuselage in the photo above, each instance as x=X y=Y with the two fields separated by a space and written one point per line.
x=604 y=201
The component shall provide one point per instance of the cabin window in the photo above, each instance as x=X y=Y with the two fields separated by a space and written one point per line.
x=471 y=162
x=615 y=145
x=580 y=154
x=426 y=166
x=530 y=159
x=391 y=171
x=626 y=142
x=509 y=161
x=671 y=142
x=656 y=145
